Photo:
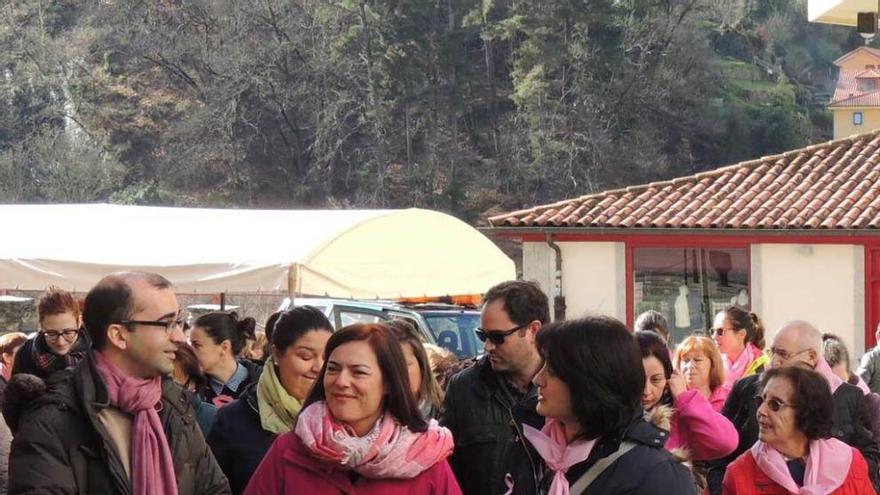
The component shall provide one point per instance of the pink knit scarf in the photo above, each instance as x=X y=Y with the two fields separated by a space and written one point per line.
x=152 y=467
x=388 y=451
x=827 y=467
x=558 y=454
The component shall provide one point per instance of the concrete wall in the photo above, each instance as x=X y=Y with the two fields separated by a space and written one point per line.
x=822 y=284
x=594 y=275
x=843 y=121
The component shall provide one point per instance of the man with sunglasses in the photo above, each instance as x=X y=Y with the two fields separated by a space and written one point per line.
x=117 y=423
x=480 y=400
x=798 y=343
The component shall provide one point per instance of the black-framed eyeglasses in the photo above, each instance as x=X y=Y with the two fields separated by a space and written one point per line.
x=773 y=403
x=68 y=334
x=496 y=336
x=169 y=326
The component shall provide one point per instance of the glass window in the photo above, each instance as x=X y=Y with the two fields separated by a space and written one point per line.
x=456 y=332
x=350 y=317
x=857 y=118
x=689 y=285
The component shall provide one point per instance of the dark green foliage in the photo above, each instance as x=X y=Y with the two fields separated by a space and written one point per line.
x=459 y=105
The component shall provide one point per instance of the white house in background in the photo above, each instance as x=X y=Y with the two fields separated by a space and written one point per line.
x=791 y=236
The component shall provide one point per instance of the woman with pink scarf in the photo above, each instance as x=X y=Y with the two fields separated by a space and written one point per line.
x=740 y=338
x=360 y=429
x=795 y=452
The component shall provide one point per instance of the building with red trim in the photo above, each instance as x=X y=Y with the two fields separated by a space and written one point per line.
x=790 y=236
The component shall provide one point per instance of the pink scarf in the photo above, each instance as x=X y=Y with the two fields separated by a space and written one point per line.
x=736 y=369
x=827 y=467
x=152 y=467
x=558 y=454
x=823 y=369
x=388 y=451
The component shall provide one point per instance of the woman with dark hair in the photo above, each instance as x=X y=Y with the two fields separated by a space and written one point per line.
x=245 y=429
x=217 y=339
x=360 y=430
x=60 y=343
x=795 y=452
x=594 y=439
x=653 y=321
x=424 y=385
x=740 y=338
x=691 y=420
x=189 y=375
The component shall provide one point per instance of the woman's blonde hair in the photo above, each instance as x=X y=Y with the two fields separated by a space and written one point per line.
x=708 y=347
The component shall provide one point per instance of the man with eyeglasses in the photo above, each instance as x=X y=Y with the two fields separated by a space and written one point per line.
x=117 y=423
x=480 y=401
x=798 y=343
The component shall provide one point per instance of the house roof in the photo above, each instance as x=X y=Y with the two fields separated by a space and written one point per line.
x=833 y=185
x=867 y=49
x=868 y=74
x=865 y=99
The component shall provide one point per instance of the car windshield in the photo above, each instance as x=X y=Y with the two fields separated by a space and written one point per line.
x=455 y=331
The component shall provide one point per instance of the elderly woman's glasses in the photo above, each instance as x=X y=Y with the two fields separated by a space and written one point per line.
x=773 y=403
x=68 y=334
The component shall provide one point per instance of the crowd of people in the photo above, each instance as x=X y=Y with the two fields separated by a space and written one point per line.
x=118 y=393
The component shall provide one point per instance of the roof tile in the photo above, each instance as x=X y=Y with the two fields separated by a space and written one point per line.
x=833 y=185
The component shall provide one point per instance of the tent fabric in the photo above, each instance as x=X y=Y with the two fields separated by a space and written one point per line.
x=384 y=254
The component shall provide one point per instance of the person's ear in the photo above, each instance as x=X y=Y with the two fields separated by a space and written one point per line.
x=813 y=357
x=118 y=335
x=533 y=328
x=226 y=346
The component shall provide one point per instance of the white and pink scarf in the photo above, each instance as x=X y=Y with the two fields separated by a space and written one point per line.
x=558 y=454
x=389 y=450
x=827 y=467
x=825 y=370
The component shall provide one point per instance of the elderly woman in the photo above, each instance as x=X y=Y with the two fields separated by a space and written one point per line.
x=699 y=362
x=60 y=343
x=694 y=423
x=360 y=429
x=740 y=338
x=589 y=437
x=795 y=452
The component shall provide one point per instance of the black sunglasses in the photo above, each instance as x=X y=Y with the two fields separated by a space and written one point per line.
x=496 y=336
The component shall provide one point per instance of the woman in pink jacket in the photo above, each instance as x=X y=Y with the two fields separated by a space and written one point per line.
x=360 y=430
x=694 y=425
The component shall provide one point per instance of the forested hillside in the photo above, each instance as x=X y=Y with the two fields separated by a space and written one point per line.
x=465 y=106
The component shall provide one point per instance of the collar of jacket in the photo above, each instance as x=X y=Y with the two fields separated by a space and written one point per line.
x=493 y=383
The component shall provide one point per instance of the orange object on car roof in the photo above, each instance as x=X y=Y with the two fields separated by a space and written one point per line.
x=463 y=300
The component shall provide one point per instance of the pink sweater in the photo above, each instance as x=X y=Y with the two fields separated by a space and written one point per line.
x=696 y=426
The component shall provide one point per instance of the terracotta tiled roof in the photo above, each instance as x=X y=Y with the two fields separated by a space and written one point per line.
x=868 y=74
x=847 y=92
x=834 y=185
x=870 y=99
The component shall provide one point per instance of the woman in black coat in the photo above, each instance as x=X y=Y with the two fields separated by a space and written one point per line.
x=244 y=430
x=588 y=434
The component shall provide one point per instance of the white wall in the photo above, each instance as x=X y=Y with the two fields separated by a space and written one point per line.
x=593 y=275
x=822 y=284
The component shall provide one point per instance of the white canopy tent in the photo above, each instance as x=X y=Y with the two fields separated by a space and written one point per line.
x=361 y=254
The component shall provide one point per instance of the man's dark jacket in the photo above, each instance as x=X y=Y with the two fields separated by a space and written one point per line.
x=851 y=425
x=478 y=411
x=61 y=446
